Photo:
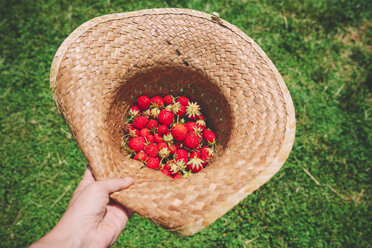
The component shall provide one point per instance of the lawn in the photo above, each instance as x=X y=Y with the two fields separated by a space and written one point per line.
x=320 y=198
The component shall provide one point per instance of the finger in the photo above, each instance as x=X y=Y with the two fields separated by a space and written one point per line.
x=117 y=215
x=114 y=221
x=110 y=185
x=87 y=179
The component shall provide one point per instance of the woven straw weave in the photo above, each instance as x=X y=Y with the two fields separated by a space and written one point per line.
x=106 y=63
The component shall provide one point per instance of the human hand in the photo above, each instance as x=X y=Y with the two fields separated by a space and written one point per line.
x=90 y=219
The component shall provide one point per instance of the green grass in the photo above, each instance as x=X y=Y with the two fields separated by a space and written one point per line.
x=322 y=49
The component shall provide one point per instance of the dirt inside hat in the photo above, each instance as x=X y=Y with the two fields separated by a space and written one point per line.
x=108 y=62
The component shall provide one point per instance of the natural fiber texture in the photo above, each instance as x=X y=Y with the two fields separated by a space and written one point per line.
x=106 y=63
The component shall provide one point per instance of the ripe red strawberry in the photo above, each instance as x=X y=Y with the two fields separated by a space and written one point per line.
x=161 y=145
x=166 y=166
x=165 y=117
x=163 y=129
x=154 y=112
x=195 y=154
x=164 y=152
x=177 y=176
x=201 y=117
x=209 y=136
x=181 y=154
x=147 y=113
x=173 y=149
x=140 y=122
x=201 y=124
x=168 y=99
x=141 y=156
x=136 y=144
x=157 y=138
x=144 y=132
x=153 y=163
x=178 y=109
x=190 y=126
x=168 y=138
x=191 y=140
x=149 y=139
x=183 y=100
x=131 y=131
x=151 y=150
x=128 y=127
x=153 y=124
x=134 y=111
x=178 y=145
x=143 y=102
x=195 y=164
x=206 y=153
x=179 y=132
x=193 y=110
x=157 y=102
x=166 y=172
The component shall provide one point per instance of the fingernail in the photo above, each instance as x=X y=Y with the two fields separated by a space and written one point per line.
x=128 y=179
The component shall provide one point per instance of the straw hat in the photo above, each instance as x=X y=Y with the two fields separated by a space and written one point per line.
x=109 y=61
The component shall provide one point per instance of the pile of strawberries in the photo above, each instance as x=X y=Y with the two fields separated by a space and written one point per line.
x=169 y=134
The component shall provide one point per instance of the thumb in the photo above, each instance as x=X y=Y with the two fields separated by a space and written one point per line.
x=111 y=185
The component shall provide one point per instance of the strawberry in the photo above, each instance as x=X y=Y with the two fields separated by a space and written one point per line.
x=149 y=139
x=163 y=129
x=134 y=111
x=141 y=156
x=157 y=102
x=136 y=144
x=195 y=154
x=193 y=110
x=206 y=153
x=177 y=176
x=201 y=124
x=153 y=124
x=166 y=172
x=201 y=117
x=168 y=138
x=164 y=152
x=144 y=132
x=151 y=150
x=181 y=154
x=195 y=164
x=178 y=145
x=157 y=138
x=179 y=132
x=168 y=99
x=178 y=109
x=154 y=112
x=183 y=100
x=161 y=145
x=169 y=107
x=190 y=126
x=128 y=127
x=191 y=140
x=166 y=166
x=147 y=113
x=209 y=136
x=173 y=149
x=165 y=117
x=177 y=165
x=143 y=102
x=140 y=122
x=153 y=163
x=133 y=132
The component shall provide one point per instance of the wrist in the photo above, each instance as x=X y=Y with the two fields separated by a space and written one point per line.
x=56 y=240
x=59 y=236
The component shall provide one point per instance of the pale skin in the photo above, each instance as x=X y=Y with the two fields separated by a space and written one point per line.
x=90 y=220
